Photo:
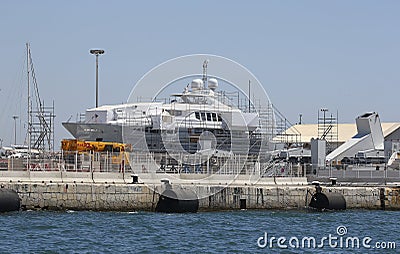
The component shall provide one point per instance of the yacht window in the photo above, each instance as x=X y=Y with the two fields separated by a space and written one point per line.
x=214 y=117
x=208 y=116
x=219 y=118
x=197 y=114
x=177 y=113
x=203 y=116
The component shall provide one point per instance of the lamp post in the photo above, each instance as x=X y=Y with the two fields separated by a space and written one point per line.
x=97 y=52
x=15 y=129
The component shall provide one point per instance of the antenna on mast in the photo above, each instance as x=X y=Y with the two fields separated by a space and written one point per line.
x=205 y=63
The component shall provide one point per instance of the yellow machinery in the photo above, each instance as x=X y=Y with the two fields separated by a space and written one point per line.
x=75 y=145
x=119 y=151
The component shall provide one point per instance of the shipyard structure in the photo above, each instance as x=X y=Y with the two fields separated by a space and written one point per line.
x=207 y=148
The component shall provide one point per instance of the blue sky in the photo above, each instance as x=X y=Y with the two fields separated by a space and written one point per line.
x=341 y=55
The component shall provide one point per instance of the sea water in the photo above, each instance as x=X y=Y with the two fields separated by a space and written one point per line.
x=262 y=231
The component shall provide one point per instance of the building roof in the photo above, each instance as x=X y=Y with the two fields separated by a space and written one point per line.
x=345 y=131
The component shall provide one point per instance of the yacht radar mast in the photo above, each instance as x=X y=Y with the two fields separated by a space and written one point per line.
x=205 y=63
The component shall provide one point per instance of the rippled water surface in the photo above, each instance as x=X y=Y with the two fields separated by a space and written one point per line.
x=213 y=232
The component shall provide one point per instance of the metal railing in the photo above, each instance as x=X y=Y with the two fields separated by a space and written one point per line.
x=276 y=168
x=359 y=172
x=137 y=162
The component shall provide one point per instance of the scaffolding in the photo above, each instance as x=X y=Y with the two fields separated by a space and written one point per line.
x=273 y=124
x=42 y=130
x=40 y=118
x=328 y=129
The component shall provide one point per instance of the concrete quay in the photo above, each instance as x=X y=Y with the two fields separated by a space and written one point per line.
x=116 y=192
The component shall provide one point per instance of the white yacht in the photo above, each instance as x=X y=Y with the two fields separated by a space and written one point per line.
x=199 y=118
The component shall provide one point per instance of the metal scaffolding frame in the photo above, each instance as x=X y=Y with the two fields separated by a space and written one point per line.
x=328 y=129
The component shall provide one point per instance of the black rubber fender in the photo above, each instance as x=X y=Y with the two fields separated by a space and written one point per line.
x=9 y=200
x=328 y=201
x=178 y=201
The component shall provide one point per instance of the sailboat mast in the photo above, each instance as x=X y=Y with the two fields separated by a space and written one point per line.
x=29 y=102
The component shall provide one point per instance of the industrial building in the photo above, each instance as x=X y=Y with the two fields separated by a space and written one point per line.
x=367 y=138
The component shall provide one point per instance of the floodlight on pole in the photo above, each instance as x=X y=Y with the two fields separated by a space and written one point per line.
x=97 y=52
